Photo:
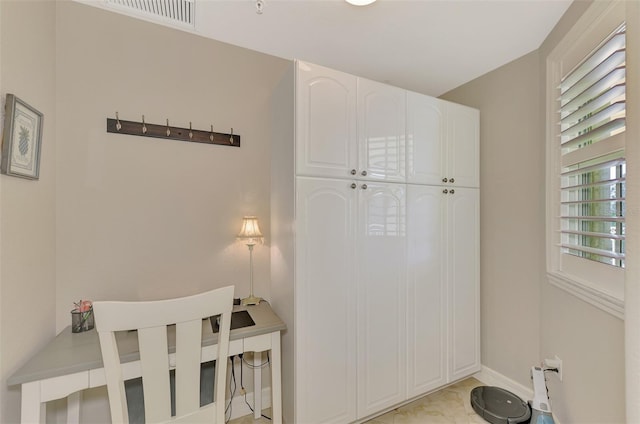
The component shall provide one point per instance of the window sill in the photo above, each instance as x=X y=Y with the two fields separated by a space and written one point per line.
x=596 y=297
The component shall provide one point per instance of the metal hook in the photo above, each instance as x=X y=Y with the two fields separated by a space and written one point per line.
x=211 y=135
x=190 y=131
x=231 y=138
x=144 y=127
x=168 y=130
x=118 y=124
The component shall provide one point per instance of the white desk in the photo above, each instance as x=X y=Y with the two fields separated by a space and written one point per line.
x=72 y=362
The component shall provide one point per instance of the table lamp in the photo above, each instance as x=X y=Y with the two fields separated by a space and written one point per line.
x=250 y=234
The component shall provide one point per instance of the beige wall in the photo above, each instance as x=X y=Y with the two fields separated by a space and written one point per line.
x=144 y=218
x=27 y=208
x=524 y=318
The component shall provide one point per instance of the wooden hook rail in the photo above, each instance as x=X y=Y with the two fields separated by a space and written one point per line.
x=173 y=133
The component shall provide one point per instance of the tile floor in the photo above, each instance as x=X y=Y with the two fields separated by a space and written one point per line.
x=449 y=405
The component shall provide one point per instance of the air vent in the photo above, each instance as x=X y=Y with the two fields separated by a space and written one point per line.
x=167 y=11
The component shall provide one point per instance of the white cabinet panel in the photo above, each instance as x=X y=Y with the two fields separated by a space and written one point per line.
x=426 y=288
x=463 y=145
x=381 y=131
x=464 y=281
x=381 y=245
x=325 y=122
x=426 y=138
x=325 y=301
x=442 y=142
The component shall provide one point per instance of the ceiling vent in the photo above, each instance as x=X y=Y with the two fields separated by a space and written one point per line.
x=180 y=12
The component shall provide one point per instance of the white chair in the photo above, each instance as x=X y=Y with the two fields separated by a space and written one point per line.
x=151 y=319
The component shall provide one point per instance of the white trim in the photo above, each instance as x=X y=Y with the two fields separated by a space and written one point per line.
x=591 y=295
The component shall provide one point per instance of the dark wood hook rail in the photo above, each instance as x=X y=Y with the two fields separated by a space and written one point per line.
x=173 y=133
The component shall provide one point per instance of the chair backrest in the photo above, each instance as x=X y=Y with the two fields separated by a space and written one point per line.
x=150 y=319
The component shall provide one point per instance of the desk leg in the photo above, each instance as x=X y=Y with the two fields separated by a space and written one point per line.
x=33 y=411
x=257 y=385
x=73 y=407
x=276 y=378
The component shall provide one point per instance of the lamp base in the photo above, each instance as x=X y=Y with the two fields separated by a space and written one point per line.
x=251 y=300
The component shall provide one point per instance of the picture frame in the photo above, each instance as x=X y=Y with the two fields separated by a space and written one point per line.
x=21 y=139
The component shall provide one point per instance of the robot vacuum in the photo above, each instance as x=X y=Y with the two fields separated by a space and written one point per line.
x=499 y=406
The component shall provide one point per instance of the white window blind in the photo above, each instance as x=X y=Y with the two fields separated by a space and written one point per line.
x=593 y=169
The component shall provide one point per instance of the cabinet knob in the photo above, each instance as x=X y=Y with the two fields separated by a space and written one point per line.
x=452 y=191
x=445 y=191
x=353 y=186
x=451 y=180
x=444 y=180
x=364 y=186
x=363 y=173
x=353 y=172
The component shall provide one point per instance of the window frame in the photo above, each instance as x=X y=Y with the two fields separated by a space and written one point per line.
x=598 y=284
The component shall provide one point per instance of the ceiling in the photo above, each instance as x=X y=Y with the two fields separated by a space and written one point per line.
x=429 y=46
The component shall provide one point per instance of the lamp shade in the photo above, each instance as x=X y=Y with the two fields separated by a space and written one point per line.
x=250 y=231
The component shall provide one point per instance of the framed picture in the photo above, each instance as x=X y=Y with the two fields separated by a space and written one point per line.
x=21 y=139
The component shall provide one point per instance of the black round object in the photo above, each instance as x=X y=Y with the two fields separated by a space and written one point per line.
x=499 y=406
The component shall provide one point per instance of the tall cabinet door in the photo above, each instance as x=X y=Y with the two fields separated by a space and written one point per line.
x=426 y=289
x=381 y=131
x=325 y=301
x=463 y=145
x=463 y=269
x=426 y=139
x=325 y=122
x=381 y=246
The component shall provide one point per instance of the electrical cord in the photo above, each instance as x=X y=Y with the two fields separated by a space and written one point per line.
x=251 y=366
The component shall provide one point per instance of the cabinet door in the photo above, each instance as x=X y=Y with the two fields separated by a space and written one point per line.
x=325 y=301
x=326 y=142
x=381 y=246
x=426 y=138
x=381 y=131
x=463 y=145
x=426 y=289
x=463 y=269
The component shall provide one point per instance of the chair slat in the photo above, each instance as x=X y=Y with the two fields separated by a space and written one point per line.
x=188 y=353
x=115 y=383
x=154 y=358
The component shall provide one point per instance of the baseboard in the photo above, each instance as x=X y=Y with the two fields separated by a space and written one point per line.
x=239 y=407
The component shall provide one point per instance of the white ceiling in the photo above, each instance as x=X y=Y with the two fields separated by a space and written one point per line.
x=429 y=46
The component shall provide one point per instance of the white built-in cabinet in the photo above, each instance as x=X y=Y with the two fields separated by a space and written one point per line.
x=385 y=236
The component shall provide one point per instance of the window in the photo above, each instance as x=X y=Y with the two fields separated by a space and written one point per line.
x=593 y=169
x=586 y=179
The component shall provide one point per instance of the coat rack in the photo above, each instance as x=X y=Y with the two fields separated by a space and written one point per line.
x=174 y=133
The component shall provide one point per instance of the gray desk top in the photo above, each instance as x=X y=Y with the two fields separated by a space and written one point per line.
x=69 y=352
